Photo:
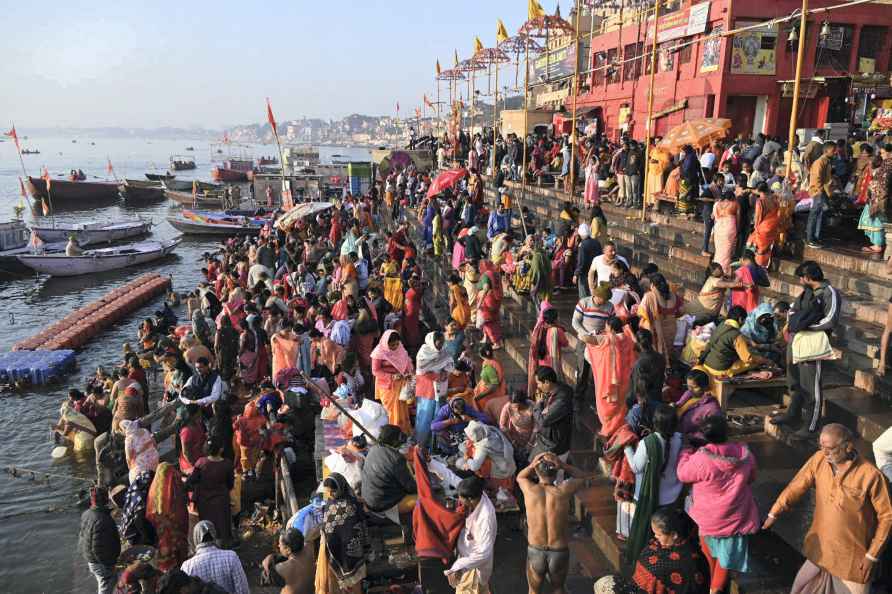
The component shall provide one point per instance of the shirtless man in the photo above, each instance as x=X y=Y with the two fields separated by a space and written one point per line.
x=547 y=510
x=294 y=568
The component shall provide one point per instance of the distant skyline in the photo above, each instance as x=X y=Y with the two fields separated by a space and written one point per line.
x=212 y=64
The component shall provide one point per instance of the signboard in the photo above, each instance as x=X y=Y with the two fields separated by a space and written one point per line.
x=559 y=62
x=754 y=51
x=543 y=99
x=712 y=51
x=681 y=23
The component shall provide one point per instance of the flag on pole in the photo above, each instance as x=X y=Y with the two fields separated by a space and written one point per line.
x=417 y=113
x=438 y=68
x=45 y=203
x=427 y=101
x=455 y=57
x=109 y=168
x=501 y=32
x=397 y=108
x=534 y=10
x=194 y=193
x=478 y=46
x=15 y=138
x=271 y=118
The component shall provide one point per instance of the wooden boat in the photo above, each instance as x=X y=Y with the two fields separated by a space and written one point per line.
x=73 y=193
x=137 y=191
x=233 y=170
x=181 y=163
x=160 y=176
x=185 y=185
x=197 y=222
x=93 y=232
x=101 y=260
x=206 y=200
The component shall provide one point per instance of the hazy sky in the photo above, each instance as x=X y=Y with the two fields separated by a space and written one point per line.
x=212 y=63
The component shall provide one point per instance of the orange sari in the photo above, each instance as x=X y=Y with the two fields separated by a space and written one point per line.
x=166 y=511
x=767 y=228
x=611 y=360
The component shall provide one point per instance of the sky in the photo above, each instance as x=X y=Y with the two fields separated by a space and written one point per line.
x=212 y=64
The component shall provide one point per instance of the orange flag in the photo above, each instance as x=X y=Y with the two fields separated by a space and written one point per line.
x=271 y=118
x=109 y=168
x=15 y=138
x=438 y=68
x=428 y=102
x=417 y=113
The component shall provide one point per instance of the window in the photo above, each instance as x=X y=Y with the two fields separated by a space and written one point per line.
x=666 y=56
x=600 y=74
x=834 y=49
x=632 y=66
x=612 y=67
x=684 y=54
x=871 y=41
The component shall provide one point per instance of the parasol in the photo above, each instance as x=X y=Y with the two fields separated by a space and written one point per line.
x=447 y=179
x=697 y=133
x=299 y=211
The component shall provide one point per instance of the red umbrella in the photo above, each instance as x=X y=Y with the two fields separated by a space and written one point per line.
x=447 y=179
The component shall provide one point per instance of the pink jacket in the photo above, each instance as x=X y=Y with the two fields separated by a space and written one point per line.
x=723 y=501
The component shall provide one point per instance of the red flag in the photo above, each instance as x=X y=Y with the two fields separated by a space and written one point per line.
x=271 y=118
x=109 y=168
x=15 y=138
x=46 y=177
x=428 y=102
x=417 y=113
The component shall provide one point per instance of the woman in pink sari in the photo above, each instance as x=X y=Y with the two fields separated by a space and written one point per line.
x=489 y=303
x=592 y=194
x=546 y=343
x=724 y=233
x=751 y=276
x=392 y=368
x=611 y=358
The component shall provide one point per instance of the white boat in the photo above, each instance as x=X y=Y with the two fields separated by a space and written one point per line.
x=101 y=260
x=196 y=222
x=15 y=240
x=93 y=232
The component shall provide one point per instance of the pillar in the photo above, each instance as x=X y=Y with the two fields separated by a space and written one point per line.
x=772 y=113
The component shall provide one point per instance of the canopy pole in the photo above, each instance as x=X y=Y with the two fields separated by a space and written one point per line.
x=573 y=134
x=650 y=109
x=796 y=83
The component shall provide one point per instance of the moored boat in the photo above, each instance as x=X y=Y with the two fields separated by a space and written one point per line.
x=203 y=200
x=185 y=185
x=198 y=222
x=101 y=260
x=178 y=163
x=137 y=191
x=93 y=232
x=73 y=193
x=233 y=170
x=160 y=176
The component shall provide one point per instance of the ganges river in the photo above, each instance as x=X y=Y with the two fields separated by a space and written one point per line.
x=38 y=521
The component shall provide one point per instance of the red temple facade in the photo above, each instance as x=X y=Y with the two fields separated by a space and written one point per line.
x=746 y=77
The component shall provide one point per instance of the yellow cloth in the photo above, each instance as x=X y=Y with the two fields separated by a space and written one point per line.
x=470 y=583
x=393 y=292
x=811 y=345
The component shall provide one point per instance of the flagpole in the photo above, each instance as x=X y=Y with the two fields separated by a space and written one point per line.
x=573 y=133
x=495 y=118
x=272 y=123
x=650 y=109
x=18 y=150
x=439 y=123
x=526 y=107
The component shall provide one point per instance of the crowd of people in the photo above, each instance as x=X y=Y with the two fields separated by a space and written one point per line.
x=326 y=318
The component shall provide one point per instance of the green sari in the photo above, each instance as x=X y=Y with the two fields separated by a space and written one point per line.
x=648 y=501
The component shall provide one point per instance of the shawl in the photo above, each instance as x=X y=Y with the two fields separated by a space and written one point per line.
x=166 y=510
x=431 y=360
x=345 y=530
x=488 y=441
x=399 y=359
x=435 y=527
x=680 y=569
x=755 y=331
x=139 y=449
x=648 y=499
x=620 y=470
x=135 y=506
x=540 y=271
x=201 y=328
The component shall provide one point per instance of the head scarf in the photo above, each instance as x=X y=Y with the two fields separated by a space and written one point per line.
x=139 y=448
x=584 y=231
x=204 y=534
x=752 y=328
x=432 y=360
x=201 y=328
x=399 y=358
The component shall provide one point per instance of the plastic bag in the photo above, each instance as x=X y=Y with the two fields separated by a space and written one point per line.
x=407 y=393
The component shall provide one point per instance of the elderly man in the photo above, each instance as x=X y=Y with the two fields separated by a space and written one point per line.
x=215 y=565
x=851 y=521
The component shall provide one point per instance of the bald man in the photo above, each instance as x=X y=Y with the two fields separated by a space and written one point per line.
x=852 y=516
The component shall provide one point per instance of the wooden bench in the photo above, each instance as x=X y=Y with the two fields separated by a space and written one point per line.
x=725 y=388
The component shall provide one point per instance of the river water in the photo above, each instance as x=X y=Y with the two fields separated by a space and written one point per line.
x=38 y=523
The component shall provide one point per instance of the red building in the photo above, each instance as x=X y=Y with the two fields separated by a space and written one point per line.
x=746 y=77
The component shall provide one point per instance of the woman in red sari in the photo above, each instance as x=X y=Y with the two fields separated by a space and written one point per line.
x=489 y=303
x=412 y=316
x=166 y=511
x=546 y=343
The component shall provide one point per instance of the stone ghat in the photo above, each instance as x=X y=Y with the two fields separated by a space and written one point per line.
x=80 y=326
